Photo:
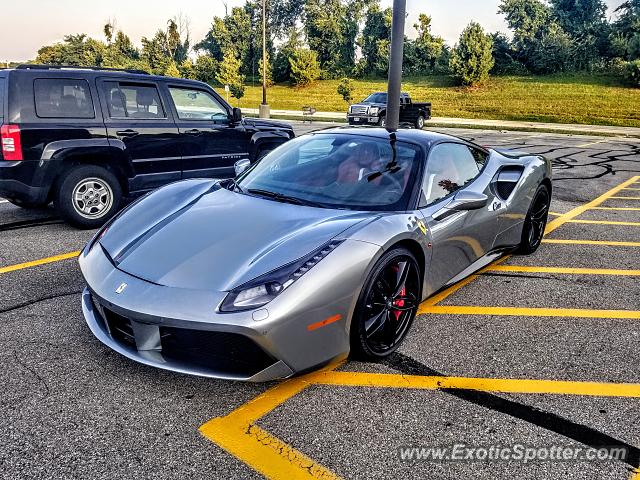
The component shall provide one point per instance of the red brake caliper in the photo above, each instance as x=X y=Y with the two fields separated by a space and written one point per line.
x=399 y=303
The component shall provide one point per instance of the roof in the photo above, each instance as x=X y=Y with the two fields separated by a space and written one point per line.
x=408 y=134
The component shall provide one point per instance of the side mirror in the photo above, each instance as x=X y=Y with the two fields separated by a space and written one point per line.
x=236 y=116
x=463 y=201
x=241 y=166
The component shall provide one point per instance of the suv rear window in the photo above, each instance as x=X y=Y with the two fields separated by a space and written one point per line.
x=63 y=98
x=133 y=101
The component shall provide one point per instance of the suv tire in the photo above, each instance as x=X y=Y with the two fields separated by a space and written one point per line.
x=88 y=196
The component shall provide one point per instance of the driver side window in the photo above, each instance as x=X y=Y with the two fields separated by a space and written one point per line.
x=197 y=105
x=450 y=167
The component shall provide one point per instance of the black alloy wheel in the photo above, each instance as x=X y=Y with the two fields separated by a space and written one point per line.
x=387 y=306
x=535 y=222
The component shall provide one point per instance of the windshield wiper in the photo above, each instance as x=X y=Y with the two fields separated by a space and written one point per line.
x=279 y=197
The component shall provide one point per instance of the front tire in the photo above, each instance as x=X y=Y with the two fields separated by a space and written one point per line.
x=88 y=196
x=387 y=306
x=383 y=121
x=420 y=122
x=535 y=222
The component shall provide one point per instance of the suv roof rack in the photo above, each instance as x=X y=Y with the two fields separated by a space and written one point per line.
x=28 y=66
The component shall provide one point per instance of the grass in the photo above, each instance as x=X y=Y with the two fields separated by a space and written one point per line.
x=576 y=99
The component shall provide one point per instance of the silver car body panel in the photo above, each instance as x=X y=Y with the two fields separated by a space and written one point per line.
x=180 y=250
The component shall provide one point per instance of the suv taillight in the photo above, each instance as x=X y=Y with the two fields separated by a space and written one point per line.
x=11 y=143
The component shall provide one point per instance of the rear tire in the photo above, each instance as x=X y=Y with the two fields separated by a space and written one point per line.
x=88 y=196
x=387 y=306
x=535 y=222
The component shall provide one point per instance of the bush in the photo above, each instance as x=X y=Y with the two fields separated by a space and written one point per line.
x=229 y=74
x=305 y=68
x=472 y=58
x=346 y=89
x=632 y=73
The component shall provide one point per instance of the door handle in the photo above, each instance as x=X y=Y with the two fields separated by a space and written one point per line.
x=193 y=131
x=127 y=133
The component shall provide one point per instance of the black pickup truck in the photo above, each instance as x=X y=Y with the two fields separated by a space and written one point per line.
x=373 y=111
x=87 y=138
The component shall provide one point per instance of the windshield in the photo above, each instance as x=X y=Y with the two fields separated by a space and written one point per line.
x=376 y=98
x=337 y=171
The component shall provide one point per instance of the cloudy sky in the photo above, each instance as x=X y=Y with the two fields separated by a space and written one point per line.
x=28 y=24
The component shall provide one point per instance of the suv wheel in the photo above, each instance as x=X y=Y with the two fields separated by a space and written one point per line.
x=420 y=122
x=88 y=196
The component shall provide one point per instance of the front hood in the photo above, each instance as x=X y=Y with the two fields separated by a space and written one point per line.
x=379 y=105
x=214 y=239
x=267 y=124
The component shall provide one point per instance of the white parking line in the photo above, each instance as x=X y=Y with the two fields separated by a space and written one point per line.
x=4 y=201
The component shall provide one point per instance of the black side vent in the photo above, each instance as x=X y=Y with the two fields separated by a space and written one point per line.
x=506 y=180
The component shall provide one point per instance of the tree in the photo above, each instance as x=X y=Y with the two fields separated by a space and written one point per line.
x=205 y=69
x=374 y=42
x=172 y=70
x=229 y=74
x=346 y=89
x=504 y=55
x=577 y=16
x=472 y=58
x=79 y=50
x=305 y=68
x=281 y=64
x=539 y=41
x=633 y=72
x=168 y=45
x=423 y=54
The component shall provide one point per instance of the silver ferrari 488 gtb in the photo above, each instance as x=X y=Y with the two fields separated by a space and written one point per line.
x=326 y=246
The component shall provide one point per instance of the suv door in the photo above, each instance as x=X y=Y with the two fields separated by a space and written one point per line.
x=465 y=236
x=136 y=116
x=211 y=143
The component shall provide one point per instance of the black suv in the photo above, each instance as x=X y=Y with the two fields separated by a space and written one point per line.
x=88 y=138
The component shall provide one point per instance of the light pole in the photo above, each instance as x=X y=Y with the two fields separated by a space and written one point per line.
x=395 y=64
x=264 y=106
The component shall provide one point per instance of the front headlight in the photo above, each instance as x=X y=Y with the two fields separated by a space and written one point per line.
x=374 y=110
x=264 y=289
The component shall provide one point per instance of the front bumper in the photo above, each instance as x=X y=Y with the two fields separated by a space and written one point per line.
x=182 y=331
x=362 y=119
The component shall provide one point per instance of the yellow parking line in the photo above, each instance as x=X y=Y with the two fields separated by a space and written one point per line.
x=604 y=243
x=237 y=434
x=36 y=263
x=558 y=222
x=621 y=209
x=498 y=385
x=625 y=198
x=605 y=222
x=529 y=312
x=563 y=270
x=554 y=214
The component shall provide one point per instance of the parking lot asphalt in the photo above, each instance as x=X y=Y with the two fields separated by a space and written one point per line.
x=538 y=351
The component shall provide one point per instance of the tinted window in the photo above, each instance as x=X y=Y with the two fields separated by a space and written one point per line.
x=197 y=105
x=449 y=168
x=63 y=98
x=126 y=100
x=479 y=156
x=339 y=171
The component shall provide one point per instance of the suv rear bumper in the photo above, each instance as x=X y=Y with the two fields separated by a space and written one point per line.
x=13 y=178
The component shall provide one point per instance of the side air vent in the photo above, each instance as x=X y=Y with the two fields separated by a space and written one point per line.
x=506 y=180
